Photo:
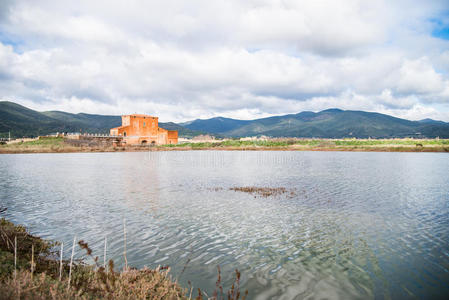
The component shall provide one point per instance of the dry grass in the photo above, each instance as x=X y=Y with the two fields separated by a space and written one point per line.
x=41 y=280
x=131 y=284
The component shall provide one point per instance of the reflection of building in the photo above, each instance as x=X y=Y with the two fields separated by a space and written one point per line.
x=144 y=129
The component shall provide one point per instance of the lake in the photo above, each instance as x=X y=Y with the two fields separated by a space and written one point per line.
x=346 y=226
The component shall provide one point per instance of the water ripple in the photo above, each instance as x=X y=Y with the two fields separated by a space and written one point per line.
x=359 y=225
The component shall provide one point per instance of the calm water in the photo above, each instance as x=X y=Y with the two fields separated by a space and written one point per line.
x=352 y=225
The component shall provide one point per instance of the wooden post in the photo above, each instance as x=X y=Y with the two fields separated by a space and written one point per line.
x=32 y=260
x=71 y=261
x=60 y=262
x=124 y=242
x=104 y=255
x=15 y=257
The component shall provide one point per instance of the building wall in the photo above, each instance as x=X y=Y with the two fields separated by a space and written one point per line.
x=143 y=129
x=137 y=125
x=172 y=137
x=162 y=136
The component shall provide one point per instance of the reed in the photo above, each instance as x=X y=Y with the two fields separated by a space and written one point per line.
x=71 y=263
x=15 y=257
x=104 y=255
x=191 y=290
x=60 y=261
x=83 y=281
x=124 y=244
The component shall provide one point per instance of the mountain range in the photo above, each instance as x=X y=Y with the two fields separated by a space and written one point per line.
x=22 y=121
x=330 y=123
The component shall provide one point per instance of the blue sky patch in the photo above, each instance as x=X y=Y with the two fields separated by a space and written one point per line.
x=7 y=39
x=442 y=33
x=441 y=26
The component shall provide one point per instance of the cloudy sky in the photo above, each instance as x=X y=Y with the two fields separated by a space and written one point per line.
x=182 y=60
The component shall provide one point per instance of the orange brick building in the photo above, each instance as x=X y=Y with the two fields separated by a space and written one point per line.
x=143 y=129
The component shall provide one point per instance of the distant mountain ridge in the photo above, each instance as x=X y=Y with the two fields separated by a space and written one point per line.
x=330 y=123
x=215 y=125
x=431 y=121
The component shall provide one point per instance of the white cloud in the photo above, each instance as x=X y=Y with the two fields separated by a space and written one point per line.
x=183 y=60
x=419 y=77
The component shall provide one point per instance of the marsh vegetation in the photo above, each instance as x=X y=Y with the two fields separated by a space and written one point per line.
x=32 y=268
x=264 y=191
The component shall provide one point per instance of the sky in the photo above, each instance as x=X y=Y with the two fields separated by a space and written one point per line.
x=183 y=60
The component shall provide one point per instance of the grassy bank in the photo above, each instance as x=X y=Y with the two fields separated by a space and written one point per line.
x=55 y=145
x=52 y=144
x=392 y=145
x=30 y=268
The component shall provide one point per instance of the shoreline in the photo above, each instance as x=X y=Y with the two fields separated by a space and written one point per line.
x=256 y=148
x=61 y=145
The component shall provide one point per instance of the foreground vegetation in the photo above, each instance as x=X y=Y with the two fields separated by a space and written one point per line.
x=59 y=144
x=30 y=268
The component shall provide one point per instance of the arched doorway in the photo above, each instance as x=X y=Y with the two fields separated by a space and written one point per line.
x=144 y=142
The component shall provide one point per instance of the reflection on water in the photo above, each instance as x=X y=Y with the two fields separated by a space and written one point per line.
x=358 y=225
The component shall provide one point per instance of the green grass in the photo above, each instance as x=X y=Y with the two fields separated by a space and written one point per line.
x=236 y=143
x=51 y=144
x=46 y=142
x=410 y=142
x=312 y=143
x=268 y=143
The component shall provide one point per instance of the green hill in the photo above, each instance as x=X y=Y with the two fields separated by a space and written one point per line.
x=215 y=125
x=21 y=121
x=25 y=122
x=93 y=123
x=182 y=131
